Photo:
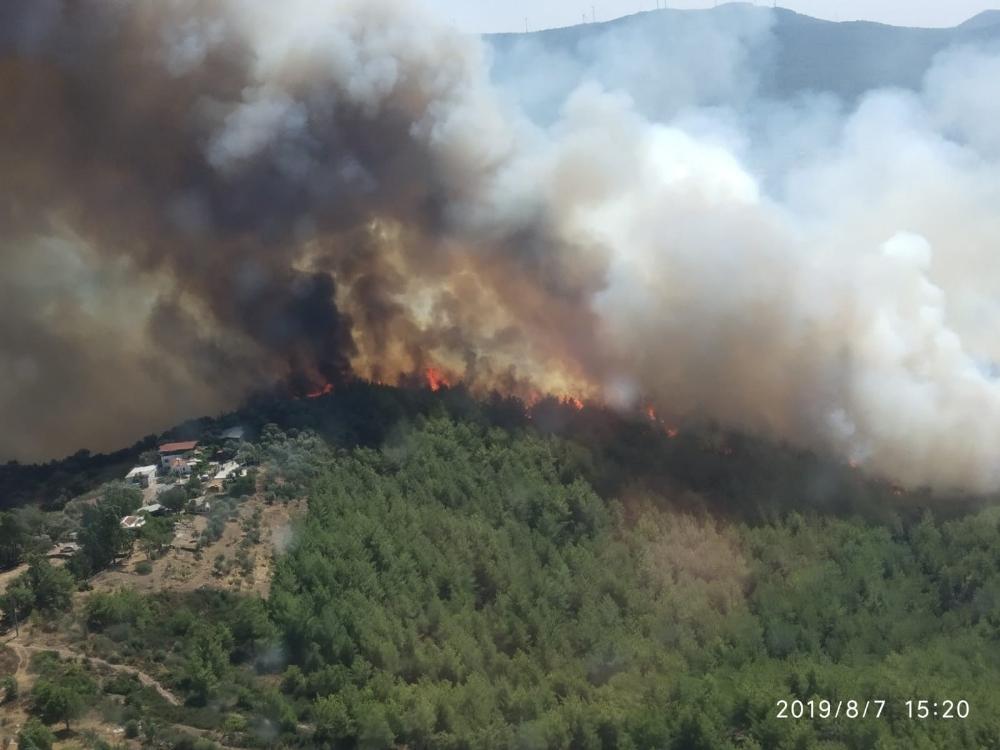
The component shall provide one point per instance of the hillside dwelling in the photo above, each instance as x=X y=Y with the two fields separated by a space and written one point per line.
x=226 y=471
x=153 y=509
x=63 y=551
x=200 y=505
x=179 y=466
x=233 y=433
x=133 y=522
x=170 y=451
x=142 y=476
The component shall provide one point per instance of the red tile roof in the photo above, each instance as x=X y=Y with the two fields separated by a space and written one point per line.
x=190 y=445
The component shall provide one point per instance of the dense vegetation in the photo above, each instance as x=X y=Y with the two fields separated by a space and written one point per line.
x=465 y=588
x=473 y=575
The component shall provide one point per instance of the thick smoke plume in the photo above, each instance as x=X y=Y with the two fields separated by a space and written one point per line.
x=200 y=197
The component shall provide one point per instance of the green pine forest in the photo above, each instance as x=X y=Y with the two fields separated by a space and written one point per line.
x=475 y=574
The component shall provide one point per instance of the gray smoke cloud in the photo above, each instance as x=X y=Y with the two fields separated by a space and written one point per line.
x=203 y=197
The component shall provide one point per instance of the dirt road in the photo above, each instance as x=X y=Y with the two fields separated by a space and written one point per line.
x=24 y=652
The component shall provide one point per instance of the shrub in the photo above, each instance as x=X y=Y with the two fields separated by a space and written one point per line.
x=234 y=724
x=173 y=499
x=144 y=568
x=131 y=729
x=44 y=663
x=61 y=699
x=246 y=562
x=42 y=587
x=294 y=682
x=155 y=537
x=9 y=687
x=276 y=708
x=221 y=566
x=179 y=621
x=121 y=684
x=35 y=736
x=242 y=486
x=117 y=608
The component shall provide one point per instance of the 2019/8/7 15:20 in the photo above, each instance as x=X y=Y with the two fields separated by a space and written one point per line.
x=857 y=709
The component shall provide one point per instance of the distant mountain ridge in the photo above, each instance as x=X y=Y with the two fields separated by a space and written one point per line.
x=803 y=54
x=981 y=20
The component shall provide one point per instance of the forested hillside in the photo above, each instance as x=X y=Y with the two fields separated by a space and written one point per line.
x=481 y=574
x=465 y=588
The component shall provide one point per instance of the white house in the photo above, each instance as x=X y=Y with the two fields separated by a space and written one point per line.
x=142 y=476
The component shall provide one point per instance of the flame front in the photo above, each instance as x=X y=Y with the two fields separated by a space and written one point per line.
x=436 y=379
x=324 y=391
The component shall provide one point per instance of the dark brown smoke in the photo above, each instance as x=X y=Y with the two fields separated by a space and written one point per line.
x=236 y=206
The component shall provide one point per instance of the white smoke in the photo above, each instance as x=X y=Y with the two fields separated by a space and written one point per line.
x=851 y=311
x=848 y=307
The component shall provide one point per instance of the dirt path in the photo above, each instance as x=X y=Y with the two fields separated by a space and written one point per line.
x=24 y=652
x=22 y=655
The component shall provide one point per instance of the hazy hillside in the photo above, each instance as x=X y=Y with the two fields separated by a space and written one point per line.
x=982 y=20
x=792 y=53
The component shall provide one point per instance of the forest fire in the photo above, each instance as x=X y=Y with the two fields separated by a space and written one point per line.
x=671 y=432
x=324 y=391
x=436 y=379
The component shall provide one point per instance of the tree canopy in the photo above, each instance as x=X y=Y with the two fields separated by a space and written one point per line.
x=461 y=588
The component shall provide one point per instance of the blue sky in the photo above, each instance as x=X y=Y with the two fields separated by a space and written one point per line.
x=509 y=15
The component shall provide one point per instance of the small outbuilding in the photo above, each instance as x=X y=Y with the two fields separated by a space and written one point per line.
x=226 y=470
x=142 y=476
x=133 y=522
x=200 y=505
x=63 y=551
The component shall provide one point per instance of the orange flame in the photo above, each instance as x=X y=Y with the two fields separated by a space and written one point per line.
x=325 y=390
x=532 y=399
x=574 y=402
x=435 y=379
x=671 y=432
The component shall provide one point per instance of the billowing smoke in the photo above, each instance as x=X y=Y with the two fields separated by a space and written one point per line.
x=201 y=197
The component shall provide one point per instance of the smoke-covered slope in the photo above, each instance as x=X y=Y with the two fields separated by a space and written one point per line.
x=793 y=55
x=203 y=198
